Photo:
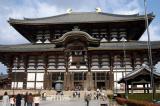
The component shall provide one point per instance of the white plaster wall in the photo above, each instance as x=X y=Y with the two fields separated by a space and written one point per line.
x=31 y=77
x=30 y=85
x=40 y=77
x=39 y=85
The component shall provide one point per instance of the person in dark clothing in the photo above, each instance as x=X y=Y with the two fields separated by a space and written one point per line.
x=18 y=100
x=25 y=98
x=30 y=99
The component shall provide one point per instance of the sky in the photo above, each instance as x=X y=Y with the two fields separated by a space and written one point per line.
x=43 y=8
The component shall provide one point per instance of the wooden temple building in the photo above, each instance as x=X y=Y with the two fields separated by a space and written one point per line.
x=140 y=79
x=89 y=50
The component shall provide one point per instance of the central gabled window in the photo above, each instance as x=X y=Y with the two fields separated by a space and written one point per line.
x=78 y=57
x=77 y=54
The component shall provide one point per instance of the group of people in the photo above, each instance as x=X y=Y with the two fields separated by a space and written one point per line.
x=12 y=101
x=98 y=95
x=16 y=100
x=76 y=94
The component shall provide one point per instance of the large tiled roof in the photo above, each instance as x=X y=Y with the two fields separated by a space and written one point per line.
x=80 y=17
x=138 y=45
x=29 y=48
x=134 y=45
x=3 y=76
x=137 y=72
x=143 y=67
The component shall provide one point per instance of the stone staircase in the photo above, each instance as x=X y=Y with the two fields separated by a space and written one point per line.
x=51 y=93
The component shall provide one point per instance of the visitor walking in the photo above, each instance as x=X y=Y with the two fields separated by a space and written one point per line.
x=5 y=99
x=30 y=99
x=44 y=95
x=25 y=98
x=18 y=100
x=87 y=98
x=78 y=94
x=36 y=100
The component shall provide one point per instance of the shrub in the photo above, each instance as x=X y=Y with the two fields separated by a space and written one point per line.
x=131 y=102
x=121 y=101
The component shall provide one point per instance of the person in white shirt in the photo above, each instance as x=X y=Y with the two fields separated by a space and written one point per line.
x=12 y=100
x=5 y=100
x=36 y=100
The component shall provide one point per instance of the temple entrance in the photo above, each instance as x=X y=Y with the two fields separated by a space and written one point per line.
x=101 y=85
x=79 y=80
x=99 y=79
x=78 y=85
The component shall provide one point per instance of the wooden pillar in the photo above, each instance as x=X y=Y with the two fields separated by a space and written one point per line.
x=147 y=88
x=144 y=88
x=95 y=80
x=67 y=74
x=133 y=61
x=111 y=79
x=106 y=83
x=47 y=75
x=10 y=77
x=131 y=88
x=66 y=81
x=126 y=89
x=89 y=81
x=107 y=80
x=83 y=80
x=25 y=59
x=154 y=88
x=89 y=76
x=10 y=66
x=71 y=81
x=46 y=81
x=111 y=74
x=35 y=66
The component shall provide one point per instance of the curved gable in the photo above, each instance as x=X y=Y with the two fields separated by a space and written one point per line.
x=76 y=35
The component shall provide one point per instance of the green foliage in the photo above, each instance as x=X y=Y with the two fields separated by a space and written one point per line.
x=142 y=96
x=146 y=97
x=131 y=102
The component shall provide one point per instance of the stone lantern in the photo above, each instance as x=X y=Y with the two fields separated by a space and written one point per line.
x=59 y=85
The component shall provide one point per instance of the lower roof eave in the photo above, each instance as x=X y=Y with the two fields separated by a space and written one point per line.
x=28 y=51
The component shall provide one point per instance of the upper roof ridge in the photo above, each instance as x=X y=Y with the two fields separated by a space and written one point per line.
x=74 y=13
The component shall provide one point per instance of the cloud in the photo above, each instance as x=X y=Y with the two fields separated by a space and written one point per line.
x=9 y=35
x=2 y=67
x=121 y=6
x=132 y=7
x=154 y=33
x=39 y=10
